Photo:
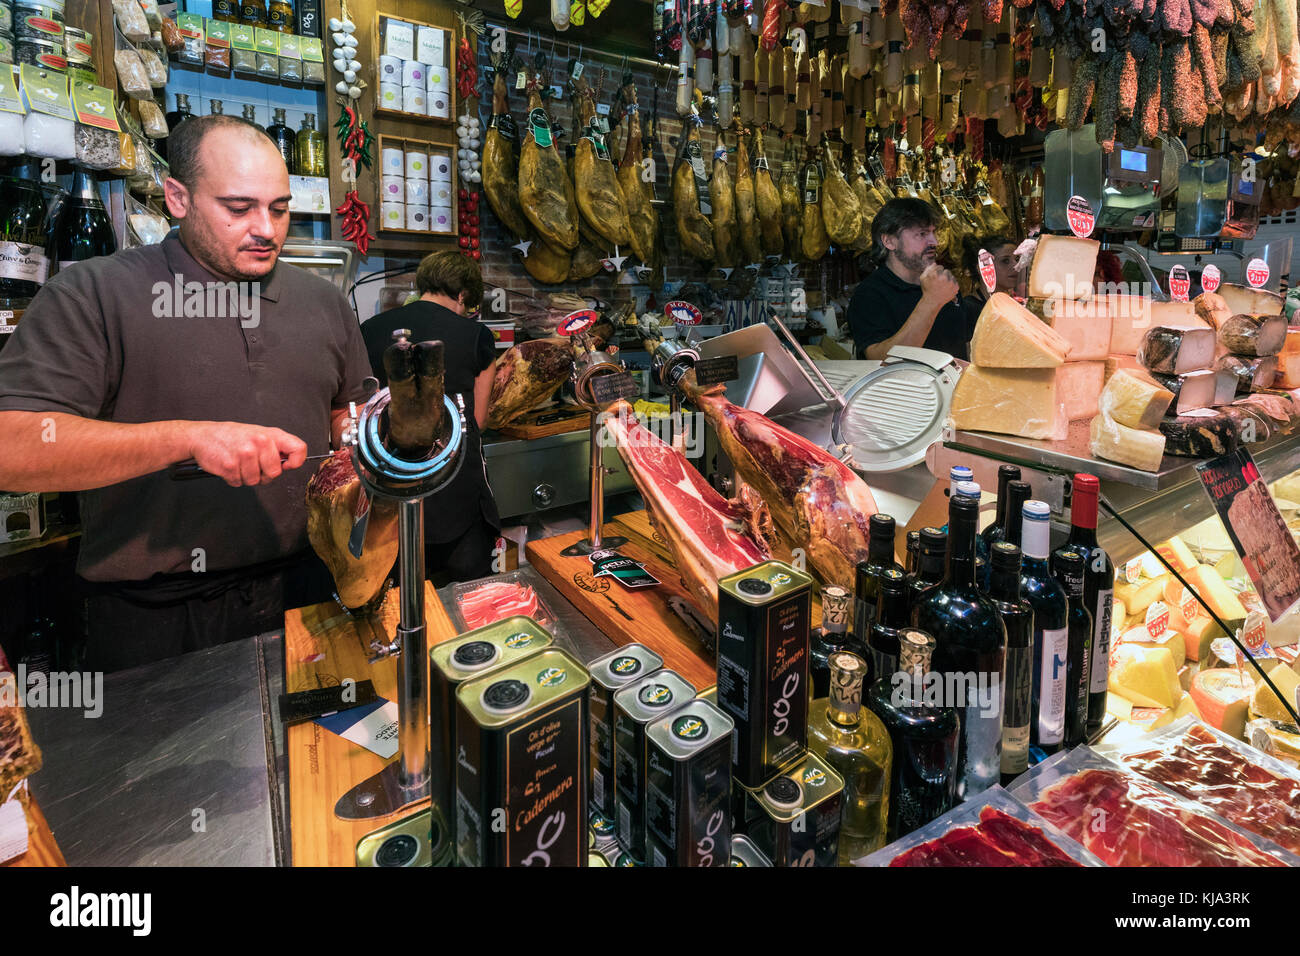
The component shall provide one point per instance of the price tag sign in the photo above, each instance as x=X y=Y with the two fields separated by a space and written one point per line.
x=613 y=386
x=1157 y=620
x=1180 y=283
x=1189 y=606
x=1079 y=214
x=1133 y=571
x=1252 y=635
x=576 y=322
x=682 y=313
x=1210 y=278
x=1256 y=272
x=988 y=272
x=721 y=368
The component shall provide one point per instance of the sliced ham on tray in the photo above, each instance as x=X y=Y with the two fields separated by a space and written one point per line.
x=497 y=601
x=998 y=840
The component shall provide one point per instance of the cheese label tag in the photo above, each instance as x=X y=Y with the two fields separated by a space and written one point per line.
x=1188 y=605
x=1157 y=620
x=1180 y=283
x=1252 y=636
x=1210 y=278
x=988 y=273
x=1079 y=214
x=1133 y=571
x=1256 y=272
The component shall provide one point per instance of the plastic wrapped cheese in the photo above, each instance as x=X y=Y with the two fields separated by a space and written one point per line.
x=1134 y=399
x=1135 y=447
x=1007 y=335
x=1018 y=401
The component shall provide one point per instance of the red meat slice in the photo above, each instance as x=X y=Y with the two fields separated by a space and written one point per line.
x=1128 y=822
x=1027 y=844
x=497 y=601
x=998 y=840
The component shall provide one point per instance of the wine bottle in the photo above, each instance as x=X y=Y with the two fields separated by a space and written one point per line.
x=891 y=620
x=1051 y=629
x=24 y=262
x=832 y=636
x=1098 y=590
x=82 y=230
x=929 y=567
x=971 y=653
x=998 y=529
x=880 y=556
x=1018 y=492
x=284 y=139
x=923 y=736
x=1067 y=567
x=855 y=742
x=972 y=490
x=1018 y=620
x=913 y=551
x=182 y=111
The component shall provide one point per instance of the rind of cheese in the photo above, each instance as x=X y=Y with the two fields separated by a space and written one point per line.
x=1007 y=335
x=1130 y=324
x=1020 y=401
x=1135 y=447
x=1134 y=400
x=1265 y=703
x=1145 y=675
x=1063 y=267
x=1078 y=388
x=1138 y=597
x=1178 y=554
x=1140 y=637
x=1085 y=325
x=1200 y=633
x=1215 y=593
x=1221 y=695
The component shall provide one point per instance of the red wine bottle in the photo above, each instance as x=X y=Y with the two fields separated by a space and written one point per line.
x=1067 y=567
x=1018 y=619
x=1051 y=629
x=1098 y=590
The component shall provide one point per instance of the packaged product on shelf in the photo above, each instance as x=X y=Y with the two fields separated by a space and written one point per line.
x=290 y=58
x=190 y=26
x=48 y=126
x=131 y=20
x=268 y=53
x=990 y=829
x=1144 y=825
x=132 y=77
x=154 y=68
x=171 y=36
x=144 y=226
x=313 y=61
x=97 y=148
x=216 y=48
x=11 y=115
x=155 y=123
x=1249 y=788
x=151 y=15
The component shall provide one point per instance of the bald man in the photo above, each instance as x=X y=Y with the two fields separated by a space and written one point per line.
x=200 y=347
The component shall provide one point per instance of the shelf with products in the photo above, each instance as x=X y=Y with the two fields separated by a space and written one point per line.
x=417 y=184
x=415 y=71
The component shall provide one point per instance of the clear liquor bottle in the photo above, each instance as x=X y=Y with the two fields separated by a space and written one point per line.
x=923 y=738
x=853 y=741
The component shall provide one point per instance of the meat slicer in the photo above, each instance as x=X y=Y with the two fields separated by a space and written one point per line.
x=407 y=474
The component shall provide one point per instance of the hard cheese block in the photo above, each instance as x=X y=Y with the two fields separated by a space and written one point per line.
x=1129 y=324
x=1063 y=267
x=1214 y=592
x=1221 y=695
x=1085 y=325
x=1170 y=640
x=1138 y=597
x=1133 y=399
x=1135 y=447
x=1200 y=433
x=1243 y=299
x=1078 y=386
x=1177 y=553
x=1175 y=351
x=1007 y=335
x=1265 y=703
x=1288 y=362
x=1191 y=389
x=1021 y=401
x=1145 y=675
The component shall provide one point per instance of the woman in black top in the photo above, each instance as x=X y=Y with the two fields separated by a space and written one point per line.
x=1007 y=274
x=461 y=521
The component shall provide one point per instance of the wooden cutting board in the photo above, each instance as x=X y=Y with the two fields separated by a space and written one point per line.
x=526 y=427
x=41 y=848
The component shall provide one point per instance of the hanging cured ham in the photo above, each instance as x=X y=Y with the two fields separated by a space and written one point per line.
x=545 y=192
x=530 y=372
x=500 y=170
x=642 y=220
x=693 y=228
x=599 y=196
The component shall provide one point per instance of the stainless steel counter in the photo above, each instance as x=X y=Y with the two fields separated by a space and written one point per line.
x=174 y=772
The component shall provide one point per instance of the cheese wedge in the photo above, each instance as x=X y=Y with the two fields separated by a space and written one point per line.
x=1243 y=299
x=1215 y=593
x=1145 y=675
x=1007 y=335
x=1221 y=695
x=1135 y=400
x=1137 y=448
x=1177 y=554
x=1264 y=703
x=1199 y=634
x=1063 y=267
x=1085 y=325
x=1078 y=387
x=1172 y=641
x=1018 y=401
x=1138 y=597
x=1129 y=326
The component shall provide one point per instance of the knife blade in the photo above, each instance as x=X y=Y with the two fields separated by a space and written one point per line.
x=189 y=469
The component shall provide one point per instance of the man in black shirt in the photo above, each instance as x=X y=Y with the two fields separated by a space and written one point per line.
x=461 y=521
x=910 y=299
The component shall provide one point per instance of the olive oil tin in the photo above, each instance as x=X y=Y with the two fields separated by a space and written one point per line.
x=602 y=830
x=688 y=787
x=795 y=816
x=521 y=777
x=418 y=840
x=636 y=707
x=745 y=853
x=450 y=664
x=608 y=675
x=709 y=694
x=764 y=616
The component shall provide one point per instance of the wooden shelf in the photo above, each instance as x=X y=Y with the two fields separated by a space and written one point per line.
x=415 y=117
x=429 y=146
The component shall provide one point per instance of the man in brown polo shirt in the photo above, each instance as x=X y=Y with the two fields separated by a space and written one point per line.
x=201 y=347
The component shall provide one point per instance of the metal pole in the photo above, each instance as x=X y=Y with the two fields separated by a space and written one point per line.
x=412 y=686
x=597 y=482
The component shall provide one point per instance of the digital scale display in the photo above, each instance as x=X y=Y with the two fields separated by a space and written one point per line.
x=1133 y=160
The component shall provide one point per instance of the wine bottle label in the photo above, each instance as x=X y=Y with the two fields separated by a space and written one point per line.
x=23 y=262
x=1101 y=618
x=1051 y=685
x=1018 y=715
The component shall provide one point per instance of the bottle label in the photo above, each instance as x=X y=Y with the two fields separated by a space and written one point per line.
x=1018 y=715
x=981 y=721
x=23 y=262
x=1055 y=645
x=1101 y=641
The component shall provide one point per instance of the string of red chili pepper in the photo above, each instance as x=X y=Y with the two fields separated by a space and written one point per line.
x=356 y=221
x=466 y=69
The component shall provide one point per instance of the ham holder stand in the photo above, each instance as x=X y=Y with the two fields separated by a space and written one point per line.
x=598 y=379
x=407 y=481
